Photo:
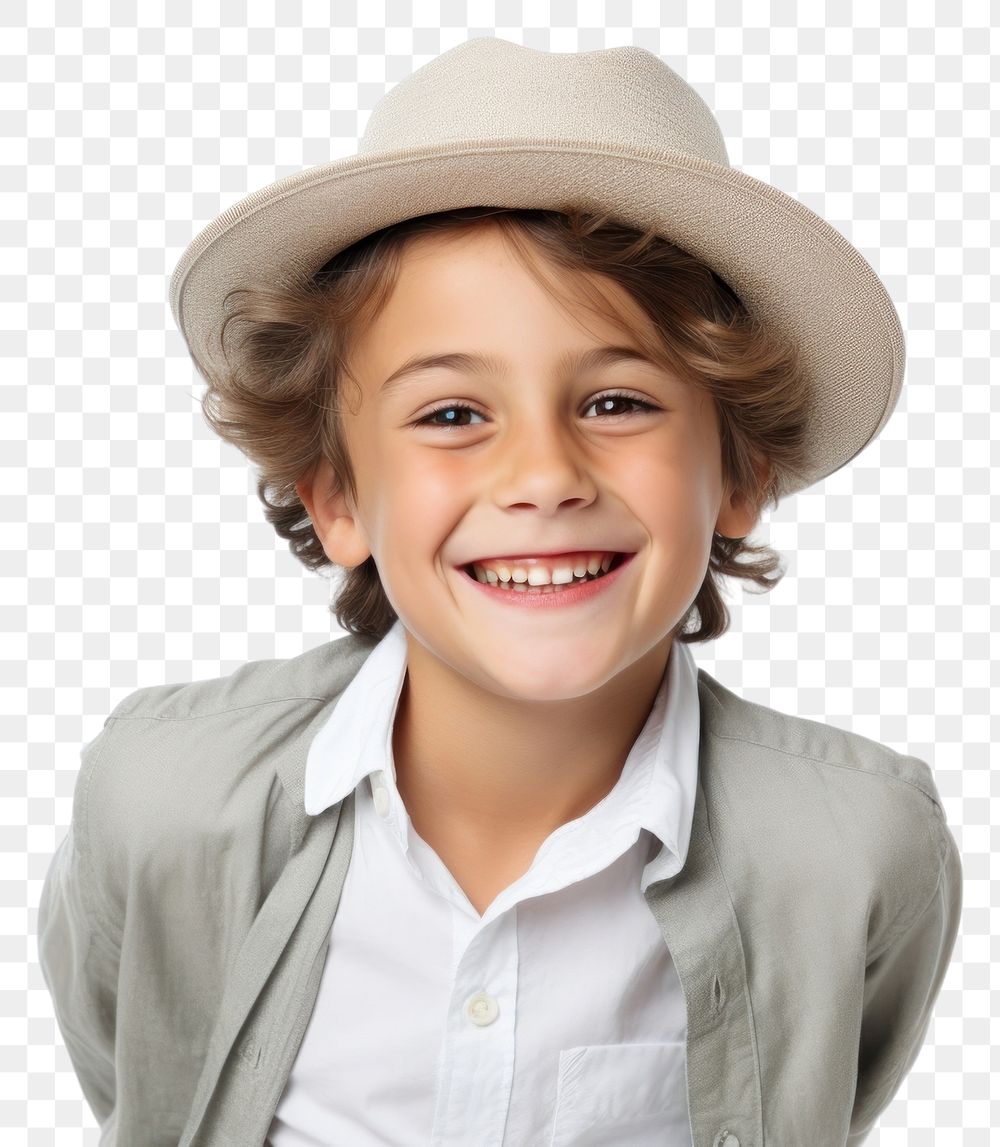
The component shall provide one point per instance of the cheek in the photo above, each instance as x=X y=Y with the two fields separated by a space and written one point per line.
x=678 y=505
x=412 y=501
x=676 y=482
x=433 y=479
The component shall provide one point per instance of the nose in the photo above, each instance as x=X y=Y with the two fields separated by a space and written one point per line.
x=543 y=467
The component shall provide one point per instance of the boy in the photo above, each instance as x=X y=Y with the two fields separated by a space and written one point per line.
x=502 y=865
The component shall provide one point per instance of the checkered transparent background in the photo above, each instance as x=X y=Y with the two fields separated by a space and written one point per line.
x=135 y=551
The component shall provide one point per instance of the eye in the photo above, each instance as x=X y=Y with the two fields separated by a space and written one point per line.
x=447 y=409
x=615 y=396
x=453 y=407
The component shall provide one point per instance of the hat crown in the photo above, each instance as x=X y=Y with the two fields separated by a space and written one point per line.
x=495 y=90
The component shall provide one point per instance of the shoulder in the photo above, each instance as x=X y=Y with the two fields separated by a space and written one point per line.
x=203 y=764
x=313 y=676
x=804 y=740
x=831 y=805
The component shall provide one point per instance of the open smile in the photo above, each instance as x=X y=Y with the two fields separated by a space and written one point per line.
x=521 y=595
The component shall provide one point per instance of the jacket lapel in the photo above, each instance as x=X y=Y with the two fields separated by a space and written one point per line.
x=698 y=921
x=274 y=981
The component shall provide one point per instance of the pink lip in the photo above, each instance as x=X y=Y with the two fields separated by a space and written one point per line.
x=585 y=591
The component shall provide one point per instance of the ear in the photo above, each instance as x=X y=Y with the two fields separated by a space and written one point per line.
x=334 y=520
x=738 y=514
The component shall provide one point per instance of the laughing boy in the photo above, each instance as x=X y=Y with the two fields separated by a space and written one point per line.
x=501 y=865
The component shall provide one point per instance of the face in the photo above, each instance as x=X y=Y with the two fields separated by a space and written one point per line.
x=454 y=465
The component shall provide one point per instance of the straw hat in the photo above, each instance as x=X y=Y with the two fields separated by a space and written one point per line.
x=615 y=130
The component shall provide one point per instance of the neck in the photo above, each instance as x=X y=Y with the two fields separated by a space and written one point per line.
x=511 y=772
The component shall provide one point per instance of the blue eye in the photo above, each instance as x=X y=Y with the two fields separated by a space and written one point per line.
x=426 y=420
x=458 y=406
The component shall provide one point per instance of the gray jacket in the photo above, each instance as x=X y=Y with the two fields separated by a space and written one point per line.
x=186 y=915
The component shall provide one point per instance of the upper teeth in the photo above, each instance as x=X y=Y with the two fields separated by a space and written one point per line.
x=560 y=572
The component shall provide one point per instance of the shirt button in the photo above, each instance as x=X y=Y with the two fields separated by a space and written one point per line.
x=726 y=1139
x=483 y=1009
x=380 y=794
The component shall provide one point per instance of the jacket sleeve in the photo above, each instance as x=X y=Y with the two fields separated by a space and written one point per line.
x=78 y=949
x=902 y=983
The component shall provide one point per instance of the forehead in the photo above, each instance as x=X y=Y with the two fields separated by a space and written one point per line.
x=478 y=280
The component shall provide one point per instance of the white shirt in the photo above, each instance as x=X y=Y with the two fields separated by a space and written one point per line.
x=556 y=1017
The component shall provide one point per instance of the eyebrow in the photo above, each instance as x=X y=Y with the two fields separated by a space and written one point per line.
x=485 y=364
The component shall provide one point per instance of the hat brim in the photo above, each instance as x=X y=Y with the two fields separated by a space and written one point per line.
x=788 y=265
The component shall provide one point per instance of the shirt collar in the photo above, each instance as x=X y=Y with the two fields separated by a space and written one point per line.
x=656 y=787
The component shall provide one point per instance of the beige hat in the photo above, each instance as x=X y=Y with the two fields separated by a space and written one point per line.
x=494 y=123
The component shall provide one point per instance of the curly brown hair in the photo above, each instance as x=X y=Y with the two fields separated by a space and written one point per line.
x=281 y=408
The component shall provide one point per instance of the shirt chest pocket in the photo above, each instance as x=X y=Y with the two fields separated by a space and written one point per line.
x=622 y=1095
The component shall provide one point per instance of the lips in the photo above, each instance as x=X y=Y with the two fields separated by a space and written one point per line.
x=547 y=596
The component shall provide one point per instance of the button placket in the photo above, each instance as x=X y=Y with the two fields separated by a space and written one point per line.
x=380 y=794
x=477 y=1064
